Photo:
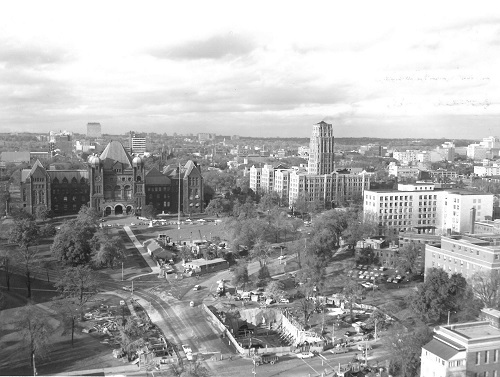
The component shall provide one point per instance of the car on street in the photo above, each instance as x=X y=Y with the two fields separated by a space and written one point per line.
x=196 y=287
x=281 y=257
x=362 y=347
x=284 y=301
x=191 y=304
x=305 y=355
x=127 y=289
x=338 y=350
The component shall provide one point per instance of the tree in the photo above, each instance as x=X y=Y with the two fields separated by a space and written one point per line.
x=74 y=243
x=263 y=274
x=34 y=329
x=25 y=234
x=351 y=293
x=68 y=313
x=219 y=206
x=240 y=275
x=6 y=258
x=439 y=294
x=275 y=290
x=42 y=213
x=260 y=252
x=78 y=284
x=486 y=287
x=366 y=255
x=269 y=201
x=306 y=306
x=185 y=253
x=408 y=259
x=377 y=320
x=149 y=211
x=107 y=252
x=404 y=348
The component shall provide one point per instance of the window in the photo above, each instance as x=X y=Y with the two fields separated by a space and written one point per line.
x=495 y=356
x=478 y=357
x=486 y=356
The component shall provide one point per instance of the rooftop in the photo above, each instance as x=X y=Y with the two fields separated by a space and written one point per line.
x=475 y=330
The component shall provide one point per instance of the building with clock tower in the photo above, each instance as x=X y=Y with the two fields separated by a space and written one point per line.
x=116 y=181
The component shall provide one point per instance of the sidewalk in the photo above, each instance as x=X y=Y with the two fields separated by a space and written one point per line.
x=154 y=267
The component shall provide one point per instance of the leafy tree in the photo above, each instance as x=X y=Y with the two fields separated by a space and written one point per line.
x=240 y=275
x=219 y=206
x=78 y=284
x=263 y=273
x=269 y=201
x=149 y=211
x=48 y=230
x=438 y=295
x=67 y=311
x=74 y=243
x=356 y=227
x=404 y=348
x=34 y=330
x=377 y=320
x=108 y=252
x=366 y=255
x=25 y=233
x=131 y=336
x=408 y=259
x=87 y=216
x=245 y=210
x=275 y=290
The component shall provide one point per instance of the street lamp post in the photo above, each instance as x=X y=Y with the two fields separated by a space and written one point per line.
x=122 y=271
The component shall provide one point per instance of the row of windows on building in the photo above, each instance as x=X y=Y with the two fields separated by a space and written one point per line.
x=485 y=357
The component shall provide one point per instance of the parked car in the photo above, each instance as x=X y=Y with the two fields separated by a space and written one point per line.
x=281 y=257
x=191 y=304
x=305 y=355
x=196 y=287
x=127 y=288
x=338 y=350
x=284 y=301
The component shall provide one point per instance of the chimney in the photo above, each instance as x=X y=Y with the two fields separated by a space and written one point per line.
x=472 y=219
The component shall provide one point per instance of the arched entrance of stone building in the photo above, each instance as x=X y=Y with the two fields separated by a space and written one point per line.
x=107 y=211
x=118 y=209
x=129 y=210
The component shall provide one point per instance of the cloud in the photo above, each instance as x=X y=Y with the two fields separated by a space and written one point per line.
x=215 y=47
x=19 y=55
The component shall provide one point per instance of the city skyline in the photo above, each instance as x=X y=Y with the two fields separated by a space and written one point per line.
x=374 y=70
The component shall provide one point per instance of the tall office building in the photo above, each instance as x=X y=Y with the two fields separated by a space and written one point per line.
x=137 y=144
x=94 y=130
x=321 y=149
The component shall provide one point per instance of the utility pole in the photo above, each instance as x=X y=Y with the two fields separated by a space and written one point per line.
x=122 y=271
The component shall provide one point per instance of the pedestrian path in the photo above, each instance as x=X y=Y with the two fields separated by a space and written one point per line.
x=151 y=263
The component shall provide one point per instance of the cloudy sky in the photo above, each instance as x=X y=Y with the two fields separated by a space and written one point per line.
x=256 y=68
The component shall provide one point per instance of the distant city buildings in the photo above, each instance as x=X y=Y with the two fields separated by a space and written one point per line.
x=137 y=143
x=206 y=137
x=319 y=183
x=94 y=130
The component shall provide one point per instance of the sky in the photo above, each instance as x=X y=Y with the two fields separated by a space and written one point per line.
x=252 y=68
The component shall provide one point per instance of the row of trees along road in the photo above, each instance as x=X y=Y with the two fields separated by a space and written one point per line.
x=80 y=247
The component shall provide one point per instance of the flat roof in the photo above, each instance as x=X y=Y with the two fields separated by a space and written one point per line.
x=475 y=330
x=203 y=262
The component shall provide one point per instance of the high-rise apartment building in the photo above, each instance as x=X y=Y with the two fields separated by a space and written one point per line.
x=321 y=155
x=255 y=176
x=94 y=130
x=464 y=349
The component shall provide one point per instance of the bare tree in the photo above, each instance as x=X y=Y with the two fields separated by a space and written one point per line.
x=6 y=257
x=34 y=331
x=79 y=285
x=25 y=234
x=486 y=287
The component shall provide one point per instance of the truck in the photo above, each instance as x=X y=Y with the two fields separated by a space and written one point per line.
x=220 y=287
x=265 y=359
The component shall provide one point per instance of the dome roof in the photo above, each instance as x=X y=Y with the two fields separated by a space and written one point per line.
x=94 y=161
x=137 y=161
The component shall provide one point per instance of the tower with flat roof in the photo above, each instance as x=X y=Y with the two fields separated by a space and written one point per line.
x=321 y=149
